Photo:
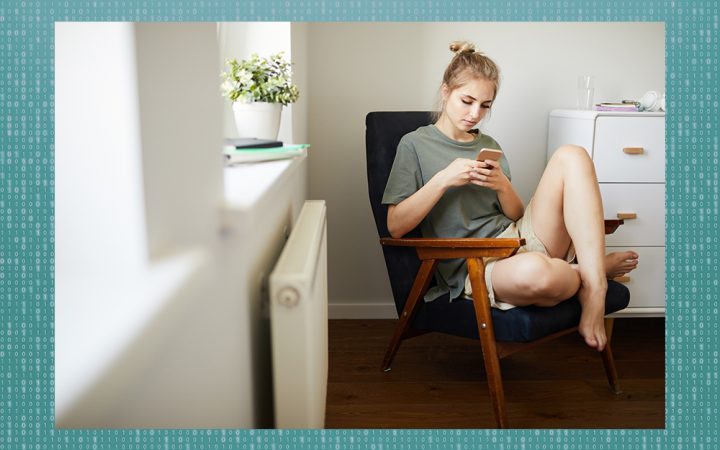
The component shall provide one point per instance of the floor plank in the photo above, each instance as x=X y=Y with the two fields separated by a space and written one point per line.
x=438 y=381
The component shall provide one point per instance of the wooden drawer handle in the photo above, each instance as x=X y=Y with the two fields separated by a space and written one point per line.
x=626 y=216
x=634 y=150
x=622 y=279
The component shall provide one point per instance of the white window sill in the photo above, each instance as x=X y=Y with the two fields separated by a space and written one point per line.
x=246 y=184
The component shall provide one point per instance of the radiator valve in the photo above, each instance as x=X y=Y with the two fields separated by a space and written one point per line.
x=289 y=297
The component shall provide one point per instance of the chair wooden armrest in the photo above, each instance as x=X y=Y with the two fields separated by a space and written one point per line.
x=448 y=248
x=612 y=224
x=479 y=247
x=454 y=242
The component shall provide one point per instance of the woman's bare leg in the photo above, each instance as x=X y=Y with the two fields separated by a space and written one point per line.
x=533 y=278
x=566 y=208
x=536 y=279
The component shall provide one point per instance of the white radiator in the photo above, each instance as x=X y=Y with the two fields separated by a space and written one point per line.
x=299 y=322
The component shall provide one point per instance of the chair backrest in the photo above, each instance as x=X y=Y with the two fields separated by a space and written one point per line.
x=382 y=134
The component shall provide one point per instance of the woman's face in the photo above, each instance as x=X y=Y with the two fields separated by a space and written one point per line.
x=466 y=105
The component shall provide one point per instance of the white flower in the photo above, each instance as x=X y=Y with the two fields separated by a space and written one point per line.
x=245 y=77
x=227 y=86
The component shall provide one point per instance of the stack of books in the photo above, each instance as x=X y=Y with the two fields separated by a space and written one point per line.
x=249 y=150
x=625 y=105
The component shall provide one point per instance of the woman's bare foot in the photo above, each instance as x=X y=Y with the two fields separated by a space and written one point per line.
x=592 y=319
x=620 y=263
x=592 y=323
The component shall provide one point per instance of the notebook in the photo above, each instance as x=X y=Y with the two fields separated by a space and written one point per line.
x=240 y=143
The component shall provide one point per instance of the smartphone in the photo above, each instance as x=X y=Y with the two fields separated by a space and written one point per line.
x=489 y=153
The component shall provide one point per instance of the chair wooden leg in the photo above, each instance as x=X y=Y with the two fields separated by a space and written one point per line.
x=476 y=270
x=420 y=285
x=608 y=360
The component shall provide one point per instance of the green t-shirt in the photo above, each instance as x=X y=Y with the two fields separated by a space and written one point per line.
x=462 y=212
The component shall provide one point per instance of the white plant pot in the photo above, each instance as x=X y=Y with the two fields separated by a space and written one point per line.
x=257 y=119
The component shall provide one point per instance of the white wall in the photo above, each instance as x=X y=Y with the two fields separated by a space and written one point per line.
x=176 y=145
x=301 y=70
x=355 y=68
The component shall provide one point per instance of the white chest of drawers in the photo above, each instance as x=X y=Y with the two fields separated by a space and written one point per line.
x=628 y=150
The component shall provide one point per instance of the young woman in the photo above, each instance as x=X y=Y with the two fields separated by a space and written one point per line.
x=437 y=183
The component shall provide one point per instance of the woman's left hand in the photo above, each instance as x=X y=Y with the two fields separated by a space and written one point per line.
x=491 y=176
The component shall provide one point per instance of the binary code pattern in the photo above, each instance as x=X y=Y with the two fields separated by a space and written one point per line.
x=26 y=221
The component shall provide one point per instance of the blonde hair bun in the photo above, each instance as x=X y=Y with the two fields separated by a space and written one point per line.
x=467 y=63
x=459 y=47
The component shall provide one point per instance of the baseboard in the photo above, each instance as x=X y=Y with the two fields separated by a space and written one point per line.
x=362 y=311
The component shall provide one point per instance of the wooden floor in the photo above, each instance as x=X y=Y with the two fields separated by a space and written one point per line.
x=438 y=381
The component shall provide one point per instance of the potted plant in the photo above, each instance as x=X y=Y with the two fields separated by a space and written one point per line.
x=259 y=88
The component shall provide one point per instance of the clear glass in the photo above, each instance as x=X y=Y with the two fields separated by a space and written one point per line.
x=585 y=91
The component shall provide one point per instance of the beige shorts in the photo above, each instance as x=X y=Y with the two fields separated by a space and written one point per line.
x=520 y=229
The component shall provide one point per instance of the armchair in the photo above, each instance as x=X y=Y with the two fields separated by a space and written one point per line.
x=411 y=262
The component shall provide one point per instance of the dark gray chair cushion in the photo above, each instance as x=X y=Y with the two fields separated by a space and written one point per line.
x=382 y=135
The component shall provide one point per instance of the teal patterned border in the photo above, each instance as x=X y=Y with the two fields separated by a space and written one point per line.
x=26 y=221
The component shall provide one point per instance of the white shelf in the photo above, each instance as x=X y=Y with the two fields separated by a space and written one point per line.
x=590 y=115
x=639 y=312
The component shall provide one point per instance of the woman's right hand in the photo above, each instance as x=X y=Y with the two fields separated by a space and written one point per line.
x=408 y=214
x=459 y=172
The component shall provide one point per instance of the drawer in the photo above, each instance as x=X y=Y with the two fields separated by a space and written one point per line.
x=647 y=282
x=615 y=136
x=647 y=202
